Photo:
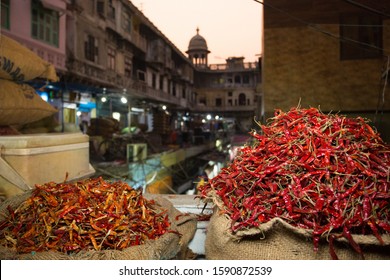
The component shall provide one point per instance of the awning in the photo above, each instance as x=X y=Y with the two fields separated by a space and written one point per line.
x=64 y=86
x=87 y=106
x=60 y=7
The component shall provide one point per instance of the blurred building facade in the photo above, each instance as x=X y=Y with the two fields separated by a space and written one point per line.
x=328 y=53
x=112 y=59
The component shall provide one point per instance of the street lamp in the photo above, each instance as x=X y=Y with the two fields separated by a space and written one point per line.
x=123 y=100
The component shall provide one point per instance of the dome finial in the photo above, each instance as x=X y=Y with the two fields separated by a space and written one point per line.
x=197 y=43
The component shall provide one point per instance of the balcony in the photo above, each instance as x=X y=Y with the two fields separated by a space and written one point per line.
x=235 y=67
x=114 y=78
x=238 y=108
x=138 y=41
x=141 y=90
x=87 y=70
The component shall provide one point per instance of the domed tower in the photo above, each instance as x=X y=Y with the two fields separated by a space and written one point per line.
x=197 y=50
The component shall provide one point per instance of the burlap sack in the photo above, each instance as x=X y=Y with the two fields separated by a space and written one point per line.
x=19 y=64
x=103 y=126
x=165 y=247
x=277 y=240
x=20 y=104
x=45 y=125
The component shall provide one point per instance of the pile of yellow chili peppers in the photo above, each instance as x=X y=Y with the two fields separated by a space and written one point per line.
x=91 y=214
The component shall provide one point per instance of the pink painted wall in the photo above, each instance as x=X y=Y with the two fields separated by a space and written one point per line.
x=20 y=30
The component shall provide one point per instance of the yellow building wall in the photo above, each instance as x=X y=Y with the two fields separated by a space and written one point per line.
x=303 y=65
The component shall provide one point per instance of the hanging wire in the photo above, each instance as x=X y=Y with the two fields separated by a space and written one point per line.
x=1 y=12
x=384 y=75
x=363 y=25
x=365 y=7
x=381 y=97
x=323 y=31
x=1 y=29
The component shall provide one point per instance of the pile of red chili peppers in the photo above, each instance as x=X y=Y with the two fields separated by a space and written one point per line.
x=322 y=172
x=92 y=214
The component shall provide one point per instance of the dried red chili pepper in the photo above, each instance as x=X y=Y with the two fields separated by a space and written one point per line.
x=312 y=169
x=92 y=214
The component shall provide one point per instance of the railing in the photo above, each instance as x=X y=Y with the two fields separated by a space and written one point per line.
x=138 y=89
x=96 y=73
x=223 y=67
x=233 y=85
x=141 y=90
x=139 y=41
x=237 y=108
x=87 y=70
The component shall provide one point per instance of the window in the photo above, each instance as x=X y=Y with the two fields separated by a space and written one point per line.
x=242 y=99
x=44 y=24
x=126 y=21
x=154 y=79
x=173 y=89
x=218 y=102
x=365 y=29
x=111 y=10
x=141 y=75
x=245 y=79
x=161 y=82
x=100 y=7
x=91 y=48
x=111 y=58
x=230 y=94
x=183 y=93
x=128 y=66
x=5 y=14
x=237 y=79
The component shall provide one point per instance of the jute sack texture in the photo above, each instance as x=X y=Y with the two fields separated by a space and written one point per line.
x=277 y=240
x=103 y=126
x=20 y=64
x=20 y=104
x=165 y=247
x=45 y=125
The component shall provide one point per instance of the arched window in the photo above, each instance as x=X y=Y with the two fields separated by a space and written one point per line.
x=241 y=99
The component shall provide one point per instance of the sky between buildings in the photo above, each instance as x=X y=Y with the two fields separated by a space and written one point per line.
x=230 y=27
